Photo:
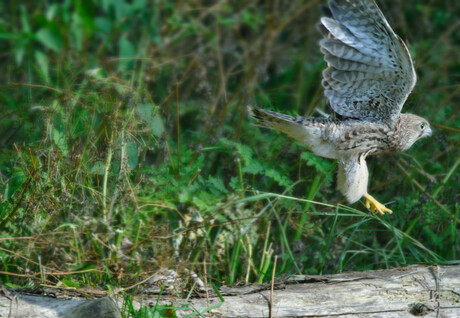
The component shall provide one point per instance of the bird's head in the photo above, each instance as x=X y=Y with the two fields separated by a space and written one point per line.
x=413 y=128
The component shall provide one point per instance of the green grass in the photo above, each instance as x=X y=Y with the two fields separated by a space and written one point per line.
x=125 y=146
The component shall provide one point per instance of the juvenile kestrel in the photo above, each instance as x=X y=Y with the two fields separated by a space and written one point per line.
x=368 y=77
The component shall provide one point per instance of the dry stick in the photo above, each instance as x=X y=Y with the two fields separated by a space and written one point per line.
x=18 y=238
x=59 y=273
x=106 y=178
x=206 y=283
x=453 y=129
x=116 y=291
x=191 y=65
x=38 y=86
x=17 y=254
x=272 y=287
x=249 y=253
x=18 y=275
x=83 y=292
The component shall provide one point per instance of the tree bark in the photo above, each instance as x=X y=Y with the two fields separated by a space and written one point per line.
x=428 y=291
x=432 y=291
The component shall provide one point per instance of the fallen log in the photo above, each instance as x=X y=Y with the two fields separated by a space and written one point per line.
x=428 y=291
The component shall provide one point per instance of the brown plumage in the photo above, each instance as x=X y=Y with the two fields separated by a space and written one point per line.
x=368 y=78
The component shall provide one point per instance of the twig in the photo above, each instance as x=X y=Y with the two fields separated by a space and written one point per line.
x=106 y=177
x=116 y=291
x=206 y=283
x=272 y=287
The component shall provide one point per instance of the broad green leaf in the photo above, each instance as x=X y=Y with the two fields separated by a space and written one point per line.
x=253 y=167
x=25 y=20
x=278 y=177
x=127 y=51
x=42 y=62
x=217 y=184
x=200 y=204
x=98 y=167
x=131 y=151
x=19 y=51
x=103 y=24
x=145 y=110
x=49 y=39
x=14 y=184
x=51 y=11
x=77 y=31
x=69 y=283
x=157 y=126
x=184 y=196
x=60 y=140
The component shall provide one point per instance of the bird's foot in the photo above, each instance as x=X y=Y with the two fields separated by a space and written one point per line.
x=374 y=205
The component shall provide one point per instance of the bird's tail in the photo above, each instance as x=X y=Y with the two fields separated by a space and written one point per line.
x=307 y=130
x=273 y=120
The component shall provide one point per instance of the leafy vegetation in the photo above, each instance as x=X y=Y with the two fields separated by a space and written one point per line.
x=126 y=147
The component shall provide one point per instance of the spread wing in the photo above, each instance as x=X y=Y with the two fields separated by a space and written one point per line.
x=370 y=71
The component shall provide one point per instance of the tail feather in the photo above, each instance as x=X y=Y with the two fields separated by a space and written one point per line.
x=273 y=120
x=307 y=130
x=298 y=127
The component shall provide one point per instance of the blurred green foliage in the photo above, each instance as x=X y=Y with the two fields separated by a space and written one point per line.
x=124 y=140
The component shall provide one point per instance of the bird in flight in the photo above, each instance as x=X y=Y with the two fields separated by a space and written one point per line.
x=368 y=77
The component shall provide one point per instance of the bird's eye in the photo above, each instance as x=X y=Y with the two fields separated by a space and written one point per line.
x=422 y=126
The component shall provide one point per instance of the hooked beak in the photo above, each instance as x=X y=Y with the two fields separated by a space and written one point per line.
x=428 y=132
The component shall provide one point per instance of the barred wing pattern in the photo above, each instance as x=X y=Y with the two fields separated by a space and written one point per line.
x=370 y=71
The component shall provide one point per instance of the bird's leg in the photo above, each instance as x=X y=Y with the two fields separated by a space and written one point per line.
x=374 y=205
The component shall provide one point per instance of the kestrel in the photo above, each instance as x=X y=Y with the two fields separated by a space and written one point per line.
x=368 y=77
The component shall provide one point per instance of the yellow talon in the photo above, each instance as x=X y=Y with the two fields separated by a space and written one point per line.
x=374 y=205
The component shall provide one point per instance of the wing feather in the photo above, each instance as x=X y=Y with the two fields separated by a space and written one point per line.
x=370 y=71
